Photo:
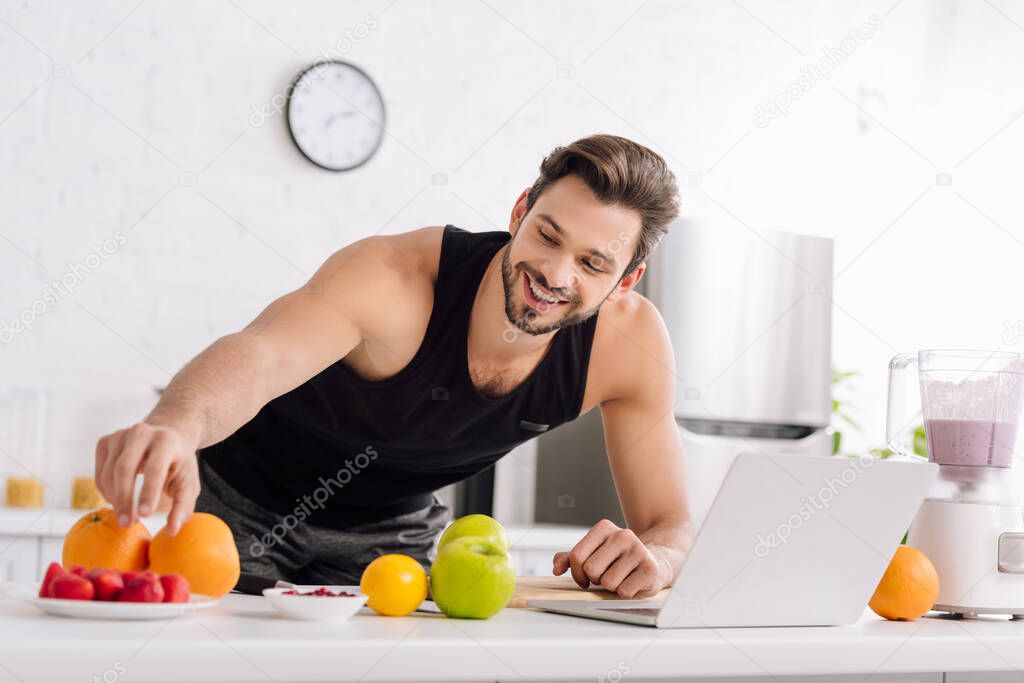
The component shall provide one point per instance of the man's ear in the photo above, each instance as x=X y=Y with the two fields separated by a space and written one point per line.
x=518 y=212
x=629 y=282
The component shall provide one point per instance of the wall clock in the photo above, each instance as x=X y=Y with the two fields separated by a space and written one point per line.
x=335 y=115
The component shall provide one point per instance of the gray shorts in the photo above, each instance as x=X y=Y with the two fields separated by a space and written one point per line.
x=277 y=547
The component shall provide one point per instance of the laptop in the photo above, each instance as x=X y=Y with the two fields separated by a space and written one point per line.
x=790 y=540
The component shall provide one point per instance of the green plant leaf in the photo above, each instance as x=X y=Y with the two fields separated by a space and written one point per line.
x=839 y=375
x=920 y=441
x=849 y=420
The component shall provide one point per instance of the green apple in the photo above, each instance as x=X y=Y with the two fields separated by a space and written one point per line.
x=480 y=526
x=472 y=578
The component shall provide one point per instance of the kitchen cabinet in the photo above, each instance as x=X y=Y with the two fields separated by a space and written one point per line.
x=50 y=548
x=19 y=558
x=892 y=678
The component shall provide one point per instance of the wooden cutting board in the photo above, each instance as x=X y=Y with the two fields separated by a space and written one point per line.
x=558 y=588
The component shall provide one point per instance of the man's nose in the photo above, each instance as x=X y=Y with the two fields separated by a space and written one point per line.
x=560 y=275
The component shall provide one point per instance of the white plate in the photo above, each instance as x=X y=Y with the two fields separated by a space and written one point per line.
x=316 y=607
x=101 y=609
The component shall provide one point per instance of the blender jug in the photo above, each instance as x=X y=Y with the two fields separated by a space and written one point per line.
x=970 y=404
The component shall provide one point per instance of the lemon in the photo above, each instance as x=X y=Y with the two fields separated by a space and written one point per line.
x=395 y=584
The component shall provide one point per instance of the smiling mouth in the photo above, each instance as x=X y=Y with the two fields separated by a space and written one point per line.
x=538 y=297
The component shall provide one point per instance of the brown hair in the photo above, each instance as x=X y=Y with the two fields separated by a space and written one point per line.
x=618 y=171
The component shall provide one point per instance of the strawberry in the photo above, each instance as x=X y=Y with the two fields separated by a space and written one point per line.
x=128 y=576
x=107 y=582
x=72 y=587
x=144 y=588
x=52 y=572
x=175 y=588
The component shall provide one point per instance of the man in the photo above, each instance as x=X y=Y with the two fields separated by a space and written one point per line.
x=412 y=361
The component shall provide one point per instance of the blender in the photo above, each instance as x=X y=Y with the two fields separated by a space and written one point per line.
x=970 y=524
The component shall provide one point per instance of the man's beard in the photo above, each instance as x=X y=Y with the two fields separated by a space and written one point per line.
x=525 y=321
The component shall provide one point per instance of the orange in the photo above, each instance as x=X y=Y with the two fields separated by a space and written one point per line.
x=203 y=551
x=96 y=541
x=396 y=584
x=908 y=588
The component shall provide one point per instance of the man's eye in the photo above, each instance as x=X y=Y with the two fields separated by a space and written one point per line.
x=590 y=266
x=546 y=238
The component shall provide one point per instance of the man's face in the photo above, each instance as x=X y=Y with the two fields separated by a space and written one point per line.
x=566 y=257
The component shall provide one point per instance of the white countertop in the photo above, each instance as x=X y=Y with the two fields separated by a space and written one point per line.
x=243 y=639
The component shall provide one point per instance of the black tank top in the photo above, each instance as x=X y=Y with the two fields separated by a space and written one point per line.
x=345 y=451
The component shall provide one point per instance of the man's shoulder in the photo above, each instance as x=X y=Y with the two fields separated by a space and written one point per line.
x=632 y=318
x=401 y=266
x=631 y=346
x=413 y=254
x=399 y=269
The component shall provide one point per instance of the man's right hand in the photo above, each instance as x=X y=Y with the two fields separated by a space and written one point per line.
x=164 y=456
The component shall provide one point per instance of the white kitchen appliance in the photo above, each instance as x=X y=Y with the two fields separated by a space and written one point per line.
x=970 y=524
x=750 y=316
x=790 y=540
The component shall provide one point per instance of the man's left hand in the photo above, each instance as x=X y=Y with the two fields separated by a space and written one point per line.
x=614 y=559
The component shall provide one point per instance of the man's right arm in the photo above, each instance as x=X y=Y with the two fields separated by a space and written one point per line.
x=222 y=388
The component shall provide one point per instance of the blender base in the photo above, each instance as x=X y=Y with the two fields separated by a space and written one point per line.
x=962 y=542
x=962 y=612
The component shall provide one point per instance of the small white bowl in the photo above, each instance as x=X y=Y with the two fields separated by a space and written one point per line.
x=316 y=607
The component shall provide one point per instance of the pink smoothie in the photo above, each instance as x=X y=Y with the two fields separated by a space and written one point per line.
x=971 y=442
